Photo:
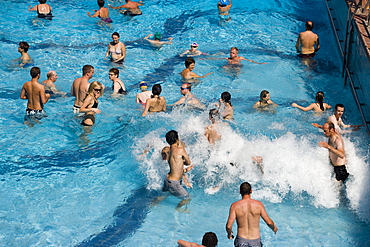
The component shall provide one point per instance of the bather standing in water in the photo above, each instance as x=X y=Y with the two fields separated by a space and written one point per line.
x=131 y=6
x=43 y=9
x=188 y=73
x=319 y=106
x=80 y=87
x=225 y=107
x=118 y=86
x=156 y=103
x=144 y=94
x=176 y=160
x=102 y=13
x=188 y=98
x=223 y=7
x=211 y=132
x=236 y=59
x=90 y=103
x=23 y=49
x=264 y=101
x=308 y=42
x=49 y=83
x=116 y=49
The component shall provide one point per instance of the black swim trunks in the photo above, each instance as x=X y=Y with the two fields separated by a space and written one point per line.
x=341 y=173
x=311 y=55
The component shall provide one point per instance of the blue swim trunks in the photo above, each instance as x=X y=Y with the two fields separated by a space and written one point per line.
x=242 y=242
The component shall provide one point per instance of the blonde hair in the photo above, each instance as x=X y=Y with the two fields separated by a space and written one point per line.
x=93 y=85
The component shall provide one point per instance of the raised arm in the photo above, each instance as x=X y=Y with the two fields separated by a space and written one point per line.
x=310 y=107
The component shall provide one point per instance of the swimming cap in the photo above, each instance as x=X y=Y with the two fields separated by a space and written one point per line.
x=143 y=84
x=224 y=2
x=194 y=44
x=157 y=35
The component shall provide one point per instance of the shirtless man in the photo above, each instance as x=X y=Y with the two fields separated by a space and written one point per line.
x=264 y=100
x=23 y=49
x=80 y=87
x=34 y=92
x=131 y=6
x=235 y=59
x=247 y=213
x=188 y=98
x=187 y=73
x=211 y=132
x=307 y=42
x=156 y=42
x=49 y=83
x=335 y=145
x=336 y=119
x=176 y=160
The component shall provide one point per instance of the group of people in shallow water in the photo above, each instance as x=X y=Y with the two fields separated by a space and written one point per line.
x=247 y=212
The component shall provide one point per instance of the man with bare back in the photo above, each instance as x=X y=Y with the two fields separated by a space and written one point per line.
x=247 y=213
x=307 y=42
x=80 y=87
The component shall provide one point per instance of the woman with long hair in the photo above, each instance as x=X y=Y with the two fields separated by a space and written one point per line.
x=156 y=103
x=319 y=106
x=90 y=103
x=225 y=108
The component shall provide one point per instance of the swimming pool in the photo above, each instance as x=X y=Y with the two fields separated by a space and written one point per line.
x=62 y=185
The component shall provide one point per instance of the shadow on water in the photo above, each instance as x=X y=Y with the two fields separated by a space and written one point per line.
x=127 y=219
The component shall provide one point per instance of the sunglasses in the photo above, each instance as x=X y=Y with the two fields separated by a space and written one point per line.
x=183 y=88
x=97 y=89
x=111 y=74
x=193 y=46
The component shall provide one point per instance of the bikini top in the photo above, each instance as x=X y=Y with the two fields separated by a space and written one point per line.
x=95 y=105
x=116 y=50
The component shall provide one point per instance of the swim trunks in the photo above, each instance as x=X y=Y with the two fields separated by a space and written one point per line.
x=341 y=173
x=175 y=188
x=242 y=242
x=127 y=12
x=38 y=114
x=107 y=20
x=311 y=55
x=76 y=108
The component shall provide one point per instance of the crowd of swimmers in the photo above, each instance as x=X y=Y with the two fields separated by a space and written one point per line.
x=247 y=212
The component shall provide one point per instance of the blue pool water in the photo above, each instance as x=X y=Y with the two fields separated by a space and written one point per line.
x=63 y=185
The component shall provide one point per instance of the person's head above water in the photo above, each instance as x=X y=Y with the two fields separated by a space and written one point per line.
x=87 y=69
x=101 y=3
x=156 y=89
x=35 y=71
x=309 y=25
x=214 y=114
x=245 y=189
x=189 y=61
x=24 y=46
x=226 y=97
x=42 y=1
x=157 y=36
x=209 y=239
x=143 y=86
x=172 y=137
x=224 y=3
x=264 y=95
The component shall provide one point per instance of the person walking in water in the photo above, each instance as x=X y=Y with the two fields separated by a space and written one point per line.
x=308 y=42
x=247 y=213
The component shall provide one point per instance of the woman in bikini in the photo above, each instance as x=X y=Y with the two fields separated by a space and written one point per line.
x=102 y=13
x=116 y=49
x=43 y=9
x=319 y=106
x=225 y=108
x=90 y=103
x=156 y=103
x=118 y=86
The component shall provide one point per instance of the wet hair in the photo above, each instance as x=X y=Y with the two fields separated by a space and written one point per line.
x=50 y=74
x=245 y=188
x=101 y=3
x=35 y=71
x=214 y=114
x=309 y=25
x=87 y=69
x=226 y=96
x=338 y=105
x=331 y=125
x=263 y=94
x=24 y=45
x=234 y=48
x=156 y=90
x=93 y=85
x=189 y=61
x=42 y=1
x=172 y=137
x=114 y=71
x=320 y=99
x=188 y=86
x=209 y=239
x=115 y=33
